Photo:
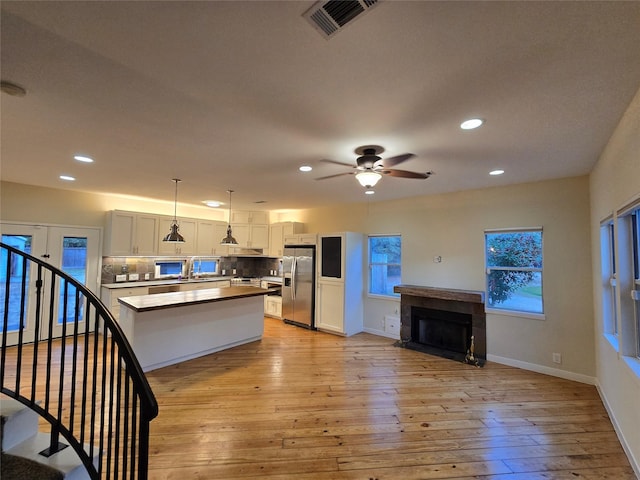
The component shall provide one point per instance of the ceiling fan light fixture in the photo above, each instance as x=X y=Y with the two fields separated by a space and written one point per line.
x=174 y=236
x=369 y=191
x=368 y=178
x=229 y=240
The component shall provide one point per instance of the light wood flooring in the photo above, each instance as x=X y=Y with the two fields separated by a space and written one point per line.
x=308 y=405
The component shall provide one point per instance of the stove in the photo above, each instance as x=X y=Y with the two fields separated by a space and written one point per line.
x=246 y=281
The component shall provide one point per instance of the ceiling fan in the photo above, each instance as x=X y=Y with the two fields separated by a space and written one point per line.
x=370 y=166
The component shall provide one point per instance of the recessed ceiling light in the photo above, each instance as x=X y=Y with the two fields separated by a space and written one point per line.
x=306 y=168
x=471 y=123
x=68 y=178
x=212 y=203
x=83 y=158
x=496 y=172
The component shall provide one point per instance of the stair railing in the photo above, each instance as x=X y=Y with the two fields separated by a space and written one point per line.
x=65 y=357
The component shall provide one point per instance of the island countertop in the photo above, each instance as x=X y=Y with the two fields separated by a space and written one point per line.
x=159 y=301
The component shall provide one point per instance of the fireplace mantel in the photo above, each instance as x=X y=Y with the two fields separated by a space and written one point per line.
x=469 y=296
x=456 y=301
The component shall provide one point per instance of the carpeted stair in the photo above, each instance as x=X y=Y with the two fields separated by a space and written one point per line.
x=21 y=443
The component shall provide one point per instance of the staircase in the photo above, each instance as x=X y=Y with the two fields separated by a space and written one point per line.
x=81 y=384
x=21 y=444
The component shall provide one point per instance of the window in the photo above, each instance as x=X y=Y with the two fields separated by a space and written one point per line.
x=514 y=270
x=385 y=254
x=627 y=242
x=609 y=283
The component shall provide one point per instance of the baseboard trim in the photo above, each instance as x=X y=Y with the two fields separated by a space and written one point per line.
x=381 y=333
x=555 y=372
x=635 y=464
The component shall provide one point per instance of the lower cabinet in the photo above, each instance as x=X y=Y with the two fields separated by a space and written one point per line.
x=109 y=297
x=273 y=306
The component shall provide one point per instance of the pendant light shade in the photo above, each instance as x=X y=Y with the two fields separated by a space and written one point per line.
x=229 y=240
x=368 y=178
x=173 y=235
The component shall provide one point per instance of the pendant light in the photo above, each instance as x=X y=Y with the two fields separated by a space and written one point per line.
x=173 y=235
x=229 y=240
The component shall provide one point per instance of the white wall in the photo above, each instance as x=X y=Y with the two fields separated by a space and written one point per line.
x=614 y=181
x=452 y=226
x=26 y=203
x=449 y=225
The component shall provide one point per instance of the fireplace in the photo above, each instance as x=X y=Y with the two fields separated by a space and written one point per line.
x=443 y=321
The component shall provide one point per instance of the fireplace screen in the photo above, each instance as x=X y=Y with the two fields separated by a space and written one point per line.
x=441 y=329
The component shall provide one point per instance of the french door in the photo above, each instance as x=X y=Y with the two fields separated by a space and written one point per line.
x=75 y=251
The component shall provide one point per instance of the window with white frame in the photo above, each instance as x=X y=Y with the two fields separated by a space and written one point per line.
x=609 y=282
x=628 y=278
x=513 y=260
x=385 y=264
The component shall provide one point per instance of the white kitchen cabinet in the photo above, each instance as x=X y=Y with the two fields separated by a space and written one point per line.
x=190 y=286
x=301 y=239
x=273 y=306
x=109 y=297
x=210 y=233
x=220 y=232
x=188 y=229
x=339 y=286
x=251 y=236
x=278 y=232
x=244 y=216
x=131 y=233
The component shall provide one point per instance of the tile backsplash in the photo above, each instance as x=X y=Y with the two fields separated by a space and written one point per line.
x=143 y=266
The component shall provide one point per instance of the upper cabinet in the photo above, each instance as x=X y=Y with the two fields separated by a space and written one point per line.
x=243 y=216
x=210 y=233
x=250 y=229
x=131 y=233
x=187 y=228
x=251 y=236
x=278 y=232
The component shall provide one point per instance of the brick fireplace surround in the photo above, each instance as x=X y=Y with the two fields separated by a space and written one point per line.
x=466 y=302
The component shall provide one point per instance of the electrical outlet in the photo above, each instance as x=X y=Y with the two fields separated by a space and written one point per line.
x=557 y=357
x=121 y=278
x=147 y=276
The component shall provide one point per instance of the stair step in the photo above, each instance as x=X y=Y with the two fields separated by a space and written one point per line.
x=65 y=461
x=18 y=422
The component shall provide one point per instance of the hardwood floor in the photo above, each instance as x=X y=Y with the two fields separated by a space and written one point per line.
x=307 y=405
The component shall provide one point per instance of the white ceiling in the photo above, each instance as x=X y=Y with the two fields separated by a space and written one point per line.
x=235 y=94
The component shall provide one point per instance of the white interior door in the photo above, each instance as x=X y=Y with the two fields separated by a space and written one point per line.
x=75 y=251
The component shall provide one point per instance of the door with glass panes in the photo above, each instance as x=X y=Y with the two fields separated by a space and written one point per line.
x=76 y=251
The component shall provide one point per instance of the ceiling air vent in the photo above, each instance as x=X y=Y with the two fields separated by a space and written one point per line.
x=328 y=18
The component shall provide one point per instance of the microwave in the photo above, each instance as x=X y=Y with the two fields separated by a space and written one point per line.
x=170 y=269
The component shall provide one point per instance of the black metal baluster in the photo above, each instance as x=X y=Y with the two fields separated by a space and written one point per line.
x=36 y=335
x=23 y=303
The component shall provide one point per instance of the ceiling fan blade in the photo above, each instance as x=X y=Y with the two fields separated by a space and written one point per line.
x=326 y=160
x=398 y=159
x=336 y=175
x=405 y=174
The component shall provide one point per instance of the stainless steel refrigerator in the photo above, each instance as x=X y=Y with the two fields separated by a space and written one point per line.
x=298 y=285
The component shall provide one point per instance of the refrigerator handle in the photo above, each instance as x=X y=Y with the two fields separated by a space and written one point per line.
x=294 y=267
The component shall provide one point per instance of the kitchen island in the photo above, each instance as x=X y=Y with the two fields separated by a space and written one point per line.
x=169 y=328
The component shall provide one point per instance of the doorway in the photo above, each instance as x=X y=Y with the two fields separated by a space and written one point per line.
x=74 y=250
